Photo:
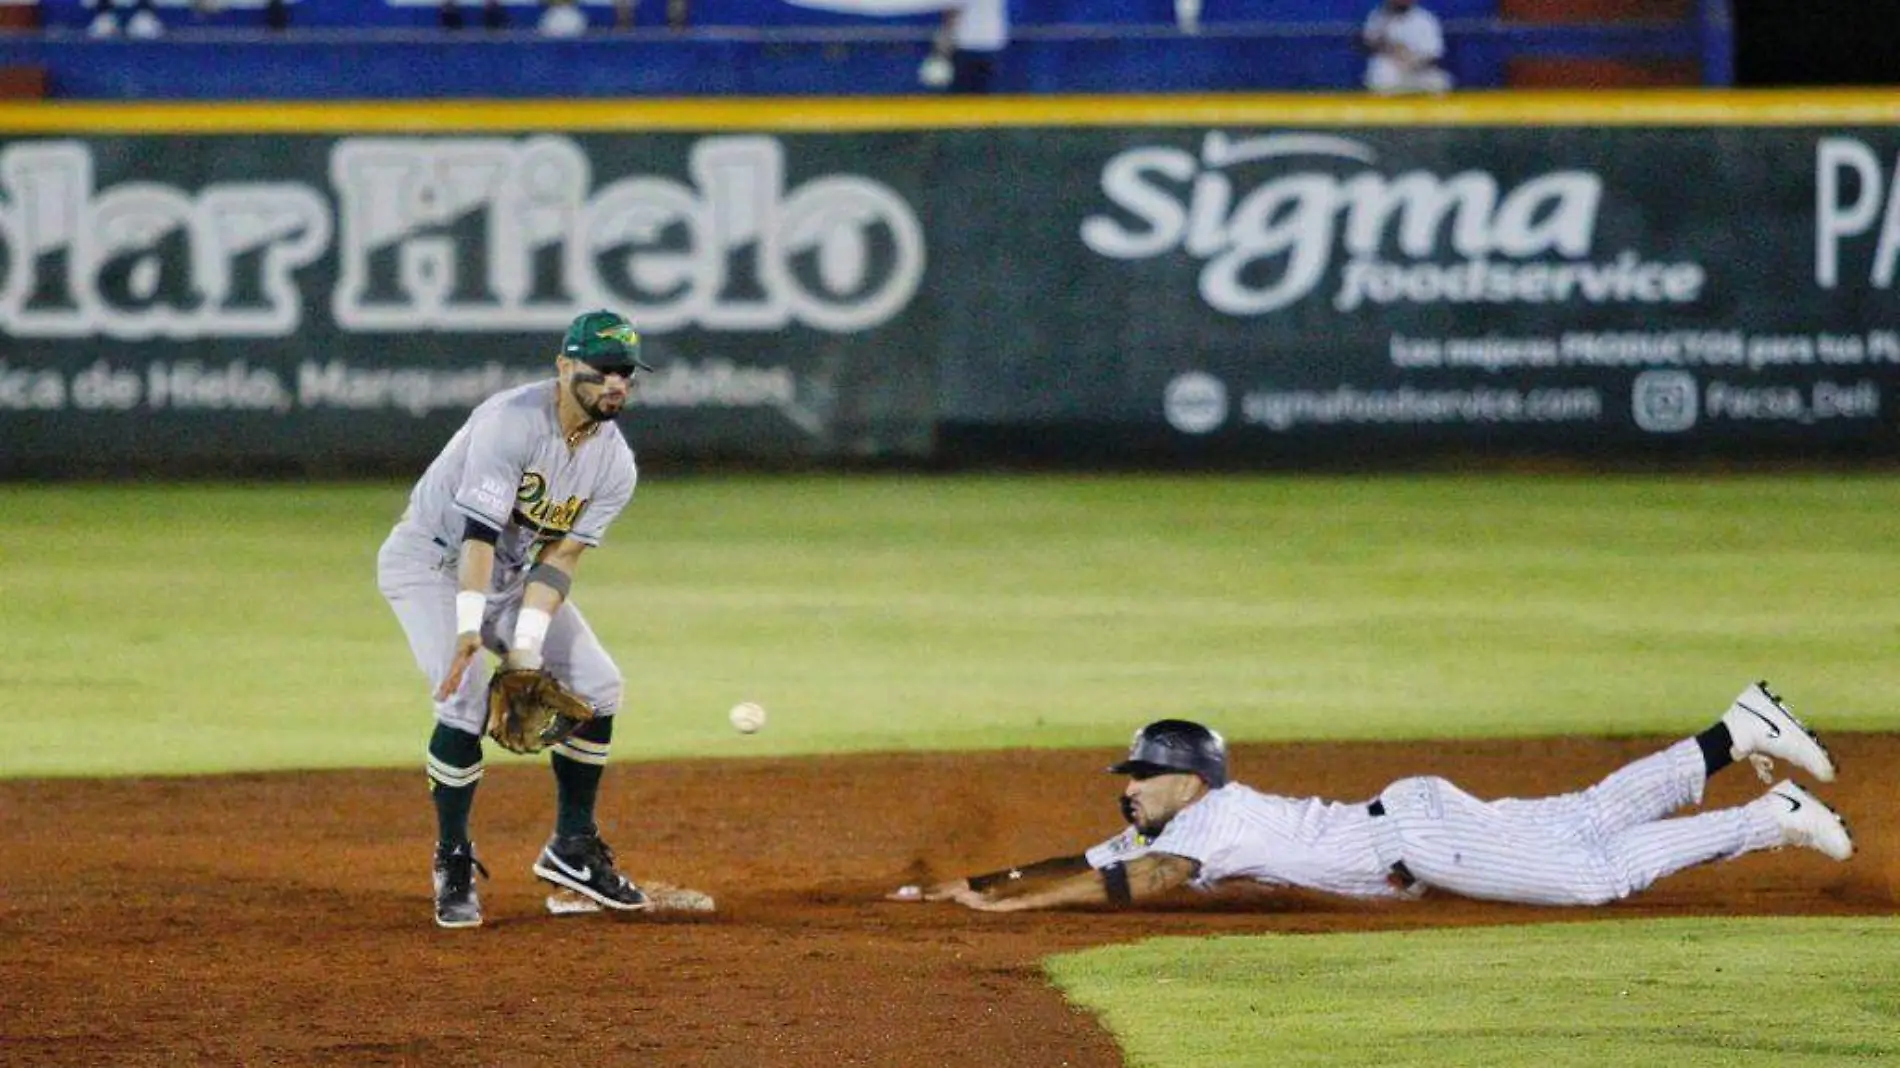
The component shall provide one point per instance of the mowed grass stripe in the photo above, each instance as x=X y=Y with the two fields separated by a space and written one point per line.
x=1780 y=992
x=206 y=627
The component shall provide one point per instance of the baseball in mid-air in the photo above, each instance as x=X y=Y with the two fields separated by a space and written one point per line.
x=747 y=717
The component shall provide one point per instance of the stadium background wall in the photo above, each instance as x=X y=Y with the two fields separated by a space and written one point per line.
x=1180 y=280
x=398 y=49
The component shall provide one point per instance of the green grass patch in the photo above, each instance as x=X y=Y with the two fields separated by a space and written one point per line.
x=1771 y=992
x=203 y=627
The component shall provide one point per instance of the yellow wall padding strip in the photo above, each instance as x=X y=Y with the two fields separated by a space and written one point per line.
x=1672 y=107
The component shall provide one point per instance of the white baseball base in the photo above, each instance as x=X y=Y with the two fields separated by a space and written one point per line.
x=665 y=898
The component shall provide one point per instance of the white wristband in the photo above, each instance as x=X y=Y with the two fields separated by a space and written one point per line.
x=530 y=628
x=469 y=607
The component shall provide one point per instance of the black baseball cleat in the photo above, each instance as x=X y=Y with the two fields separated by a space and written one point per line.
x=584 y=864
x=455 y=902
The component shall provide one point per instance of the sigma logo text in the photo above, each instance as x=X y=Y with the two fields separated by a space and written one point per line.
x=1412 y=237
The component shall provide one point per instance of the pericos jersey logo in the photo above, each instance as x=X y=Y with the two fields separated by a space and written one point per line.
x=543 y=514
x=1408 y=238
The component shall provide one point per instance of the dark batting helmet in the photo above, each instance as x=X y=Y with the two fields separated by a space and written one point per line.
x=1177 y=745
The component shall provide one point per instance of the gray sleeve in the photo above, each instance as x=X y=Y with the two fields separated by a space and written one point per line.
x=497 y=455
x=616 y=489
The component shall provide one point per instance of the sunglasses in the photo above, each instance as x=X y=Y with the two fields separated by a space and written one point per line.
x=594 y=373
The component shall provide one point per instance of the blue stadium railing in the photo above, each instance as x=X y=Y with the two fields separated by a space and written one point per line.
x=809 y=53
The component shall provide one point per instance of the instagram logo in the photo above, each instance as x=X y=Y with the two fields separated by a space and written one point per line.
x=1664 y=402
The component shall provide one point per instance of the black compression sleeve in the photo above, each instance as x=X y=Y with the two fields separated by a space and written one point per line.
x=476 y=530
x=1052 y=866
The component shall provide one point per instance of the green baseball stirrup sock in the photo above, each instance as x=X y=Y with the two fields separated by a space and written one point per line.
x=578 y=762
x=455 y=766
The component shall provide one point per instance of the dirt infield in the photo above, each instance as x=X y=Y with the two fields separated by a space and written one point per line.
x=284 y=919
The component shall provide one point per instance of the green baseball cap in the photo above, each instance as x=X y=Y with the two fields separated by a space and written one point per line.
x=605 y=341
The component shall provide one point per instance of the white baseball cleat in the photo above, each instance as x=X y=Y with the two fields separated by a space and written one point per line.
x=1806 y=820
x=1762 y=726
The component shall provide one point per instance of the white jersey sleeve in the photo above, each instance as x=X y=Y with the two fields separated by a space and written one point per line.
x=1207 y=832
x=1122 y=848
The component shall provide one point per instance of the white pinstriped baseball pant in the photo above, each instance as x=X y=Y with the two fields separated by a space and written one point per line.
x=1586 y=848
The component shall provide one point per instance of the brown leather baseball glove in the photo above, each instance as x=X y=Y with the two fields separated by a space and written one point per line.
x=529 y=709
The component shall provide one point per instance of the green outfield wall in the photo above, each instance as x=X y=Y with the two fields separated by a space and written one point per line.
x=1212 y=279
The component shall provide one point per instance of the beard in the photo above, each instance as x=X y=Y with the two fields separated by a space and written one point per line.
x=1133 y=818
x=593 y=408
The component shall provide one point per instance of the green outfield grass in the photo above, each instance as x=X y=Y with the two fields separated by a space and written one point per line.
x=198 y=627
x=1682 y=993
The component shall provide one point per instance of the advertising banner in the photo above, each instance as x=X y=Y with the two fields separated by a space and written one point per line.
x=1215 y=289
x=346 y=300
x=1583 y=289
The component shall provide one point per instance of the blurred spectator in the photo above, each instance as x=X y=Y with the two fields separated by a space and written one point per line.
x=971 y=36
x=967 y=45
x=143 y=21
x=494 y=16
x=1406 y=43
x=134 y=18
x=1187 y=15
x=679 y=14
x=562 y=18
x=276 y=14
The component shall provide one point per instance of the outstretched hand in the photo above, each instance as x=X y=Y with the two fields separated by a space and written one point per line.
x=981 y=901
x=467 y=647
x=957 y=891
x=950 y=890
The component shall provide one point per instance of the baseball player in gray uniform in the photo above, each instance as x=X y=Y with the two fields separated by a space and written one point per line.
x=485 y=556
x=1190 y=826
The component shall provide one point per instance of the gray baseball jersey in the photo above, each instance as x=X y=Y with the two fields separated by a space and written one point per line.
x=1584 y=848
x=510 y=468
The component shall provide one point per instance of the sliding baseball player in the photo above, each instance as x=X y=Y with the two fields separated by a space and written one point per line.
x=1188 y=825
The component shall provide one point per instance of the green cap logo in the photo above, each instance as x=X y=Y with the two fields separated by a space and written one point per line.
x=605 y=341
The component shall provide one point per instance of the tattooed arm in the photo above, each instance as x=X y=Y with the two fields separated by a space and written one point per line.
x=1147 y=876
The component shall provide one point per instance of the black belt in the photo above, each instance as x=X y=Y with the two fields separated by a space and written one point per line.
x=1401 y=874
